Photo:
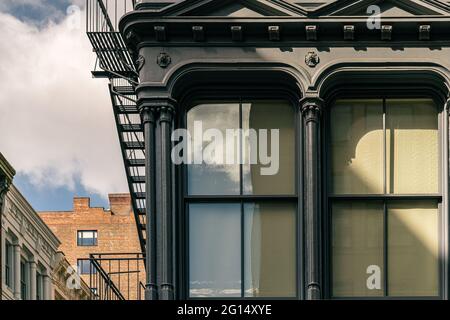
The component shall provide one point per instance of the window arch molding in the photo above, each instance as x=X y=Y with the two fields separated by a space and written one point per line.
x=188 y=77
x=426 y=77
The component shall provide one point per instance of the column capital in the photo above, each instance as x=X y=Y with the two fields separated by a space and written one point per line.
x=311 y=108
x=308 y=103
x=156 y=103
x=148 y=114
x=166 y=114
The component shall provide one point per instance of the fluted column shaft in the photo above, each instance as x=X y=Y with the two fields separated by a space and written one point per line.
x=148 y=121
x=157 y=117
x=311 y=111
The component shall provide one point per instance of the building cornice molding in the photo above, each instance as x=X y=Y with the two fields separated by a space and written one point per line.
x=29 y=219
x=6 y=169
x=281 y=31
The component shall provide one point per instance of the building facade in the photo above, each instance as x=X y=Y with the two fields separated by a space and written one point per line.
x=32 y=268
x=106 y=235
x=28 y=248
x=65 y=287
x=359 y=94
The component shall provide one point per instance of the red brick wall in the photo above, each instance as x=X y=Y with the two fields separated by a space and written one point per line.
x=116 y=229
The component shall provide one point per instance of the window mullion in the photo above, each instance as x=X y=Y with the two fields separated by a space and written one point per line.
x=385 y=247
x=242 y=251
x=241 y=187
x=241 y=150
x=384 y=149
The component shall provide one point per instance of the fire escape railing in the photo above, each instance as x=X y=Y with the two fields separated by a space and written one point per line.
x=116 y=63
x=117 y=276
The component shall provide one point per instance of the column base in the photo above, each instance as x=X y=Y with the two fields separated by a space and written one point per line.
x=151 y=292
x=313 y=292
x=167 y=292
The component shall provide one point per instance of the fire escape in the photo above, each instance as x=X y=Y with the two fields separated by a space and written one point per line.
x=115 y=63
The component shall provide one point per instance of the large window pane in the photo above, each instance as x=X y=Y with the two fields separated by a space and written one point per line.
x=210 y=177
x=87 y=238
x=215 y=250
x=270 y=254
x=357 y=147
x=413 y=248
x=86 y=267
x=357 y=245
x=274 y=171
x=412 y=146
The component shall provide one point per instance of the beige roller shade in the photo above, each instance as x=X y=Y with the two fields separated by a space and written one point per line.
x=357 y=147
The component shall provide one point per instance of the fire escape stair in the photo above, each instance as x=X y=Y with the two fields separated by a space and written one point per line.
x=117 y=64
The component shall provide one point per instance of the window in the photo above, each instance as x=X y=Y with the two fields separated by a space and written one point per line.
x=23 y=280
x=242 y=223
x=87 y=238
x=85 y=267
x=8 y=264
x=39 y=286
x=385 y=198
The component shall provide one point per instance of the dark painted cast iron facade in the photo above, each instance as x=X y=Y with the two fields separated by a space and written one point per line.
x=369 y=114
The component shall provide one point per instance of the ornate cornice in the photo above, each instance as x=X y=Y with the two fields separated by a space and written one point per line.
x=6 y=170
x=142 y=30
x=4 y=186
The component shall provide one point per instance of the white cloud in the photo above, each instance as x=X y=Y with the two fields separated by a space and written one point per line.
x=6 y=4
x=56 y=122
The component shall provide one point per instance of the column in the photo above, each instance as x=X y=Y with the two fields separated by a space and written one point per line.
x=32 y=280
x=4 y=186
x=148 y=121
x=311 y=108
x=47 y=282
x=157 y=118
x=164 y=200
x=17 y=259
x=3 y=258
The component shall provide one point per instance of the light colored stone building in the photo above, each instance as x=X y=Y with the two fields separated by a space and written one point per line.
x=29 y=248
x=32 y=268
x=63 y=274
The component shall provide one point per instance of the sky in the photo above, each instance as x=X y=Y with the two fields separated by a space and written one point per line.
x=56 y=122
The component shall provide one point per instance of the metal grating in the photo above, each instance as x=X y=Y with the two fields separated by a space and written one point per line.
x=102 y=20
x=116 y=64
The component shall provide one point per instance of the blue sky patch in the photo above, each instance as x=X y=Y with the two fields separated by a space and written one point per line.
x=54 y=199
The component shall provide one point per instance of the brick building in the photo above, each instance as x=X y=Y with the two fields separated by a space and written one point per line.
x=107 y=235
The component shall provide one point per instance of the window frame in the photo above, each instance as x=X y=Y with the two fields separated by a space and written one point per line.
x=240 y=96
x=39 y=285
x=385 y=198
x=9 y=264
x=79 y=242
x=24 y=279
x=92 y=270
